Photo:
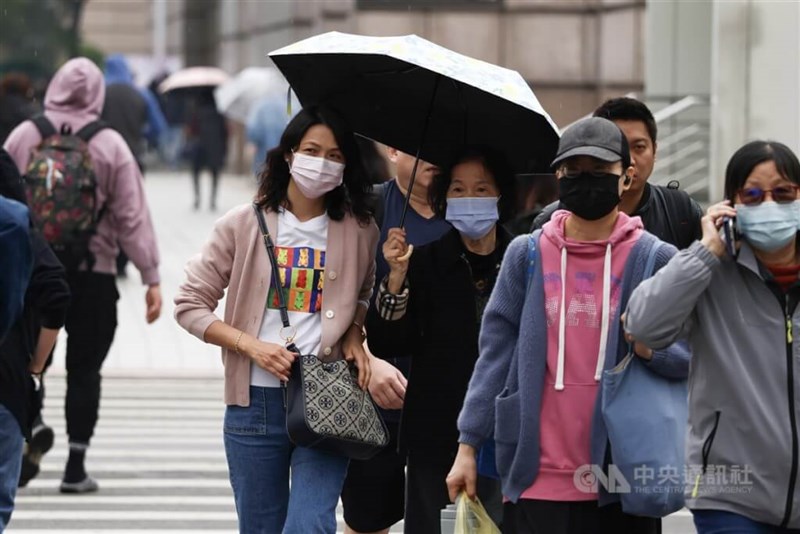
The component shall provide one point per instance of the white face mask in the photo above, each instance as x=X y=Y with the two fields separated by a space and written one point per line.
x=314 y=176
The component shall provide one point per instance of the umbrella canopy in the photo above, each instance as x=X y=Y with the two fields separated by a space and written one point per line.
x=421 y=98
x=194 y=77
x=237 y=97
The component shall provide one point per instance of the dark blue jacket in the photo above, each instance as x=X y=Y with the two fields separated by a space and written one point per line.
x=16 y=260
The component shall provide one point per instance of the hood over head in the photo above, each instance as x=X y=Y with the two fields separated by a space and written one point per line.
x=76 y=88
x=117 y=70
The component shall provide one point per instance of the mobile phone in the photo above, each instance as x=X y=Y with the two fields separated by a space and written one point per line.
x=729 y=227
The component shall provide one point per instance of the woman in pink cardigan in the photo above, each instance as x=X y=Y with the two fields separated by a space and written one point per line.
x=315 y=197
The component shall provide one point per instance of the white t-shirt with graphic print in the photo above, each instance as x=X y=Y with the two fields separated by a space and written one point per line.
x=300 y=252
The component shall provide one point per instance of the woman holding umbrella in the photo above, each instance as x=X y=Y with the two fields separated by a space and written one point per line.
x=315 y=198
x=433 y=303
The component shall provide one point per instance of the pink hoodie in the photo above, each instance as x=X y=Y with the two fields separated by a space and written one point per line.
x=578 y=321
x=75 y=97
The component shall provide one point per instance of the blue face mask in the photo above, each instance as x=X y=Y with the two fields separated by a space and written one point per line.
x=768 y=226
x=472 y=216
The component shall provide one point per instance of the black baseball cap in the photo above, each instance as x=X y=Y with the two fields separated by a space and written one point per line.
x=596 y=137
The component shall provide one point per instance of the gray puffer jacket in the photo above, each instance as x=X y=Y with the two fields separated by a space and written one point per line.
x=742 y=440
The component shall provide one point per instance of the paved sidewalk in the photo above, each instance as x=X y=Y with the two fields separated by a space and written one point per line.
x=165 y=349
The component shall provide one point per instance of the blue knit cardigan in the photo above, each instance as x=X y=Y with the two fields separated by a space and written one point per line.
x=505 y=392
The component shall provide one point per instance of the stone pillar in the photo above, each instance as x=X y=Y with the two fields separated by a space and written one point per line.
x=755 y=78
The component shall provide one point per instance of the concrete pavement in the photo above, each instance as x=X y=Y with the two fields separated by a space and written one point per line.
x=163 y=348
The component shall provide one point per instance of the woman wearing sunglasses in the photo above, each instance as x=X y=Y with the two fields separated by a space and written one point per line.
x=737 y=305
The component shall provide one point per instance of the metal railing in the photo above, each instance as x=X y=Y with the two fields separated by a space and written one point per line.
x=683 y=153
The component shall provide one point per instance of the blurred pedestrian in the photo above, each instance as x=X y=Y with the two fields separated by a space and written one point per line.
x=543 y=349
x=16 y=102
x=374 y=491
x=173 y=107
x=318 y=214
x=264 y=128
x=73 y=103
x=134 y=113
x=432 y=305
x=736 y=301
x=669 y=214
x=207 y=143
x=25 y=351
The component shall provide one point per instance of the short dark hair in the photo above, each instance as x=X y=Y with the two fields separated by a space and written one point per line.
x=493 y=161
x=353 y=196
x=754 y=153
x=628 y=109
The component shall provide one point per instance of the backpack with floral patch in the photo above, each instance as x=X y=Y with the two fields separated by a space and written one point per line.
x=61 y=187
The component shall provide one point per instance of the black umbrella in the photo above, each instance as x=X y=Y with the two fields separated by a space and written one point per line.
x=421 y=98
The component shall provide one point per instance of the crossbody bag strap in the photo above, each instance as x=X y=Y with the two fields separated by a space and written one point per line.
x=276 y=281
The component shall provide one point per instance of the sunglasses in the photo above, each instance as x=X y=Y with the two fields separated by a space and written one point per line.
x=783 y=194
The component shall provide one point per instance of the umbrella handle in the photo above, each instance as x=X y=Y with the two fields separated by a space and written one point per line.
x=419 y=150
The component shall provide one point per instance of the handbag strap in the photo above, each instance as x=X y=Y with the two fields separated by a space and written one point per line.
x=651 y=260
x=649 y=267
x=262 y=224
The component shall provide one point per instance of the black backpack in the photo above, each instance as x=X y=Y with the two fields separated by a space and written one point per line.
x=683 y=214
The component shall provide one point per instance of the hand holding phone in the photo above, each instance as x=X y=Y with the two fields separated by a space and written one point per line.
x=729 y=227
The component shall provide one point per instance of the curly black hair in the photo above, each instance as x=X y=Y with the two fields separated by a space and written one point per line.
x=493 y=161
x=352 y=197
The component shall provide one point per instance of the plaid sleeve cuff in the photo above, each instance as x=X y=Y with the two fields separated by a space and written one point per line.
x=392 y=307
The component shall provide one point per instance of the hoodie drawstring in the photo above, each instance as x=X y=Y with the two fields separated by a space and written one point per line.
x=562 y=323
x=601 y=352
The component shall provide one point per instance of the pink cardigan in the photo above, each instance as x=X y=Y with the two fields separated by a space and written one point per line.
x=235 y=258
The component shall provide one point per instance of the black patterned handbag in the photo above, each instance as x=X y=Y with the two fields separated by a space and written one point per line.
x=325 y=408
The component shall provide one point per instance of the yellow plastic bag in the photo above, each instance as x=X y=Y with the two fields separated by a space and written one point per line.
x=471 y=517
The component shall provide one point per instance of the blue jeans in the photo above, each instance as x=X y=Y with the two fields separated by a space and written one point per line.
x=719 y=522
x=11 y=441
x=261 y=459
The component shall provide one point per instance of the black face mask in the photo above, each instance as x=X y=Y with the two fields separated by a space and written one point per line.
x=590 y=196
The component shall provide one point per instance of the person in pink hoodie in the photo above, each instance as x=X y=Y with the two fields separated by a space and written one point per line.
x=543 y=350
x=75 y=99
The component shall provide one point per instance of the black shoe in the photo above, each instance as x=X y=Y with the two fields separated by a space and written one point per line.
x=28 y=471
x=42 y=438
x=87 y=485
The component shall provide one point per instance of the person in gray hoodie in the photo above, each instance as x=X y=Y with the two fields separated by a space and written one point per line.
x=736 y=300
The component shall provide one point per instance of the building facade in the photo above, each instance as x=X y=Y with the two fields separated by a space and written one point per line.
x=574 y=53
